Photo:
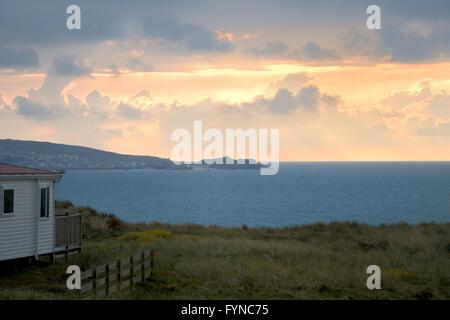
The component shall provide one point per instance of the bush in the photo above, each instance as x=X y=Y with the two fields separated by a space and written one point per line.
x=64 y=205
x=116 y=224
x=146 y=235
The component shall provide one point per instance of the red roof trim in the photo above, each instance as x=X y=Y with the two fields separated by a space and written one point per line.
x=9 y=169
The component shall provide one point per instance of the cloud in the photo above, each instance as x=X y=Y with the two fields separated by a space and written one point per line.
x=309 y=118
x=310 y=51
x=187 y=35
x=3 y=104
x=401 y=41
x=417 y=9
x=99 y=104
x=409 y=43
x=313 y=51
x=43 y=23
x=76 y=106
x=292 y=82
x=399 y=99
x=271 y=48
x=308 y=99
x=31 y=109
x=126 y=111
x=142 y=98
x=439 y=106
x=68 y=65
x=24 y=58
x=47 y=101
x=361 y=43
x=283 y=101
x=64 y=70
x=428 y=127
x=296 y=30
x=419 y=110
x=205 y=26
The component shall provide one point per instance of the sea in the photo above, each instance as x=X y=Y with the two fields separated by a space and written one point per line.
x=301 y=193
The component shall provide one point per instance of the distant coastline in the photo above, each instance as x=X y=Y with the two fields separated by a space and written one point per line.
x=55 y=156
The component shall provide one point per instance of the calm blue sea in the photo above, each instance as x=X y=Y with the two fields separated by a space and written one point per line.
x=301 y=193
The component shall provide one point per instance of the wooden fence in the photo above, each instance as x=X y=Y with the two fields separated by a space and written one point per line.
x=114 y=276
x=68 y=233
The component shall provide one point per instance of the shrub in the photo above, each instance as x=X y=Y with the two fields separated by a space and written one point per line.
x=115 y=224
x=64 y=204
x=146 y=235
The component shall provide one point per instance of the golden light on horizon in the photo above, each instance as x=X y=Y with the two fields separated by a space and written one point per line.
x=359 y=88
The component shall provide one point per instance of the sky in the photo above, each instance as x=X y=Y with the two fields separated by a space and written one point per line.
x=136 y=72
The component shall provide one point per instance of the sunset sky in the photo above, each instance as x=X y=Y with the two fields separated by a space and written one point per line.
x=312 y=69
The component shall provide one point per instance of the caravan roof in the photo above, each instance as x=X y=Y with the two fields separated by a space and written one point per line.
x=9 y=169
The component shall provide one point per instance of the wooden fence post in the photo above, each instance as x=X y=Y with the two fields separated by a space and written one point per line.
x=67 y=236
x=131 y=271
x=81 y=231
x=94 y=281
x=119 y=273
x=107 y=276
x=80 y=292
x=143 y=266
x=152 y=257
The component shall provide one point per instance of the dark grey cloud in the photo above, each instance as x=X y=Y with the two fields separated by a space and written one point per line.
x=24 y=58
x=191 y=25
x=361 y=42
x=68 y=65
x=313 y=51
x=187 y=35
x=404 y=44
x=40 y=23
x=271 y=48
x=310 y=51
x=401 y=42
x=415 y=9
x=412 y=32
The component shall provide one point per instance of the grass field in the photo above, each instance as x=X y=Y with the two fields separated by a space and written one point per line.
x=320 y=261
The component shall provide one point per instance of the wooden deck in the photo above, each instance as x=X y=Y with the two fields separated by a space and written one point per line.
x=67 y=234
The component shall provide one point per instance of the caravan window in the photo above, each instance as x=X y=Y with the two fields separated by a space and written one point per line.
x=45 y=202
x=8 y=201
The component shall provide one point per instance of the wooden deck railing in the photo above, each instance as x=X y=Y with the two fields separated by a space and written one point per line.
x=67 y=233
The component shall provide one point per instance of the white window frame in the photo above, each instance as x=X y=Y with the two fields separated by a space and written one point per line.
x=4 y=188
x=47 y=187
